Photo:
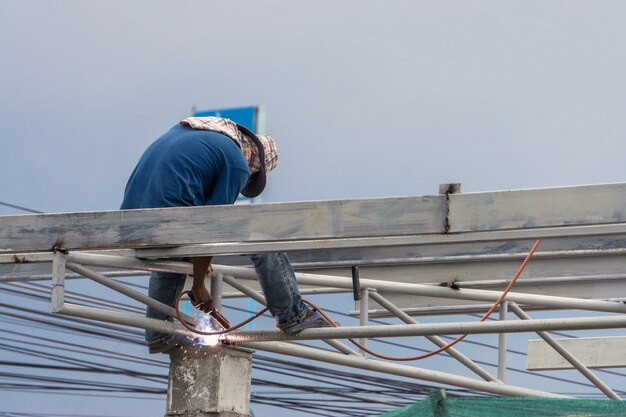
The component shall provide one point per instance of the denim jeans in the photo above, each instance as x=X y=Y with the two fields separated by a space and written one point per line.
x=274 y=273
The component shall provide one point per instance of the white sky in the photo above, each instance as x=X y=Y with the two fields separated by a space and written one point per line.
x=365 y=98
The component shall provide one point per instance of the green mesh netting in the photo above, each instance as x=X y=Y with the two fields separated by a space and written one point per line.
x=437 y=405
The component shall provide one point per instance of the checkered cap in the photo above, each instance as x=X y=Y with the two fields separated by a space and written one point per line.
x=247 y=146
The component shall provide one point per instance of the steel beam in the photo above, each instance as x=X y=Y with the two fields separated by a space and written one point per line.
x=162 y=227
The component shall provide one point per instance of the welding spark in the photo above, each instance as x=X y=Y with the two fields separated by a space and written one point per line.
x=207 y=324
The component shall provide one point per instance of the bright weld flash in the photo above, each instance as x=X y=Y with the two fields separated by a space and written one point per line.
x=206 y=324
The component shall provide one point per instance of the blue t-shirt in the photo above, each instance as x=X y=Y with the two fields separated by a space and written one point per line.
x=187 y=167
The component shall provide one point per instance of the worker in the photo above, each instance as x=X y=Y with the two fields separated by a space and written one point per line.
x=210 y=161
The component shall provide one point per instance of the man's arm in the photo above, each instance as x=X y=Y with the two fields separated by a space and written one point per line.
x=201 y=297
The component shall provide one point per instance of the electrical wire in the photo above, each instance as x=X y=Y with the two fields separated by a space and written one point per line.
x=305 y=405
x=20 y=207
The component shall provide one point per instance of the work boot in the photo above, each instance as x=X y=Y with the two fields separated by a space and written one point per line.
x=313 y=319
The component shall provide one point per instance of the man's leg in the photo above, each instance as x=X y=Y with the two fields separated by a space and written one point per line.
x=280 y=288
x=164 y=287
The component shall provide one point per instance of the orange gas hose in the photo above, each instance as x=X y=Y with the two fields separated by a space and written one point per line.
x=365 y=349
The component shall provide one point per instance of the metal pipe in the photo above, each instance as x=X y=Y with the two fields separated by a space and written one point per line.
x=356 y=283
x=125 y=262
x=467 y=362
x=504 y=309
x=125 y=319
x=438 y=291
x=357 y=361
x=261 y=300
x=216 y=290
x=57 y=293
x=71 y=275
x=79 y=298
x=303 y=291
x=381 y=286
x=568 y=356
x=121 y=288
x=402 y=330
x=364 y=318
x=542 y=281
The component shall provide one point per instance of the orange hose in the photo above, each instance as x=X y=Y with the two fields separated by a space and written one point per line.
x=203 y=333
x=360 y=346
x=455 y=341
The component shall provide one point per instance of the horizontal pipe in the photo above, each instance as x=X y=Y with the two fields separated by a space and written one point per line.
x=342 y=282
x=430 y=329
x=84 y=299
x=357 y=361
x=125 y=262
x=47 y=277
x=303 y=291
x=125 y=319
x=442 y=292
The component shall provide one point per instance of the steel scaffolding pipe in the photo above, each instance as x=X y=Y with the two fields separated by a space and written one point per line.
x=404 y=330
x=356 y=361
x=439 y=342
x=342 y=282
x=125 y=262
x=438 y=291
x=123 y=289
x=131 y=320
x=568 y=356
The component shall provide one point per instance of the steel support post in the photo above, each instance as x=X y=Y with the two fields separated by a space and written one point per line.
x=261 y=300
x=504 y=309
x=357 y=361
x=568 y=356
x=217 y=290
x=57 y=293
x=467 y=362
x=364 y=315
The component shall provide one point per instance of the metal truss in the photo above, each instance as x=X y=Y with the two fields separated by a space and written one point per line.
x=416 y=256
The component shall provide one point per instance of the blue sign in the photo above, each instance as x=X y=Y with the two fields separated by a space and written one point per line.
x=245 y=116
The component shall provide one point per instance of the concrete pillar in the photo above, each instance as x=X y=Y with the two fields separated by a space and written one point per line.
x=209 y=381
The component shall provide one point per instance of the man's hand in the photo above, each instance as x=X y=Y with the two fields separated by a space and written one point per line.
x=200 y=298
